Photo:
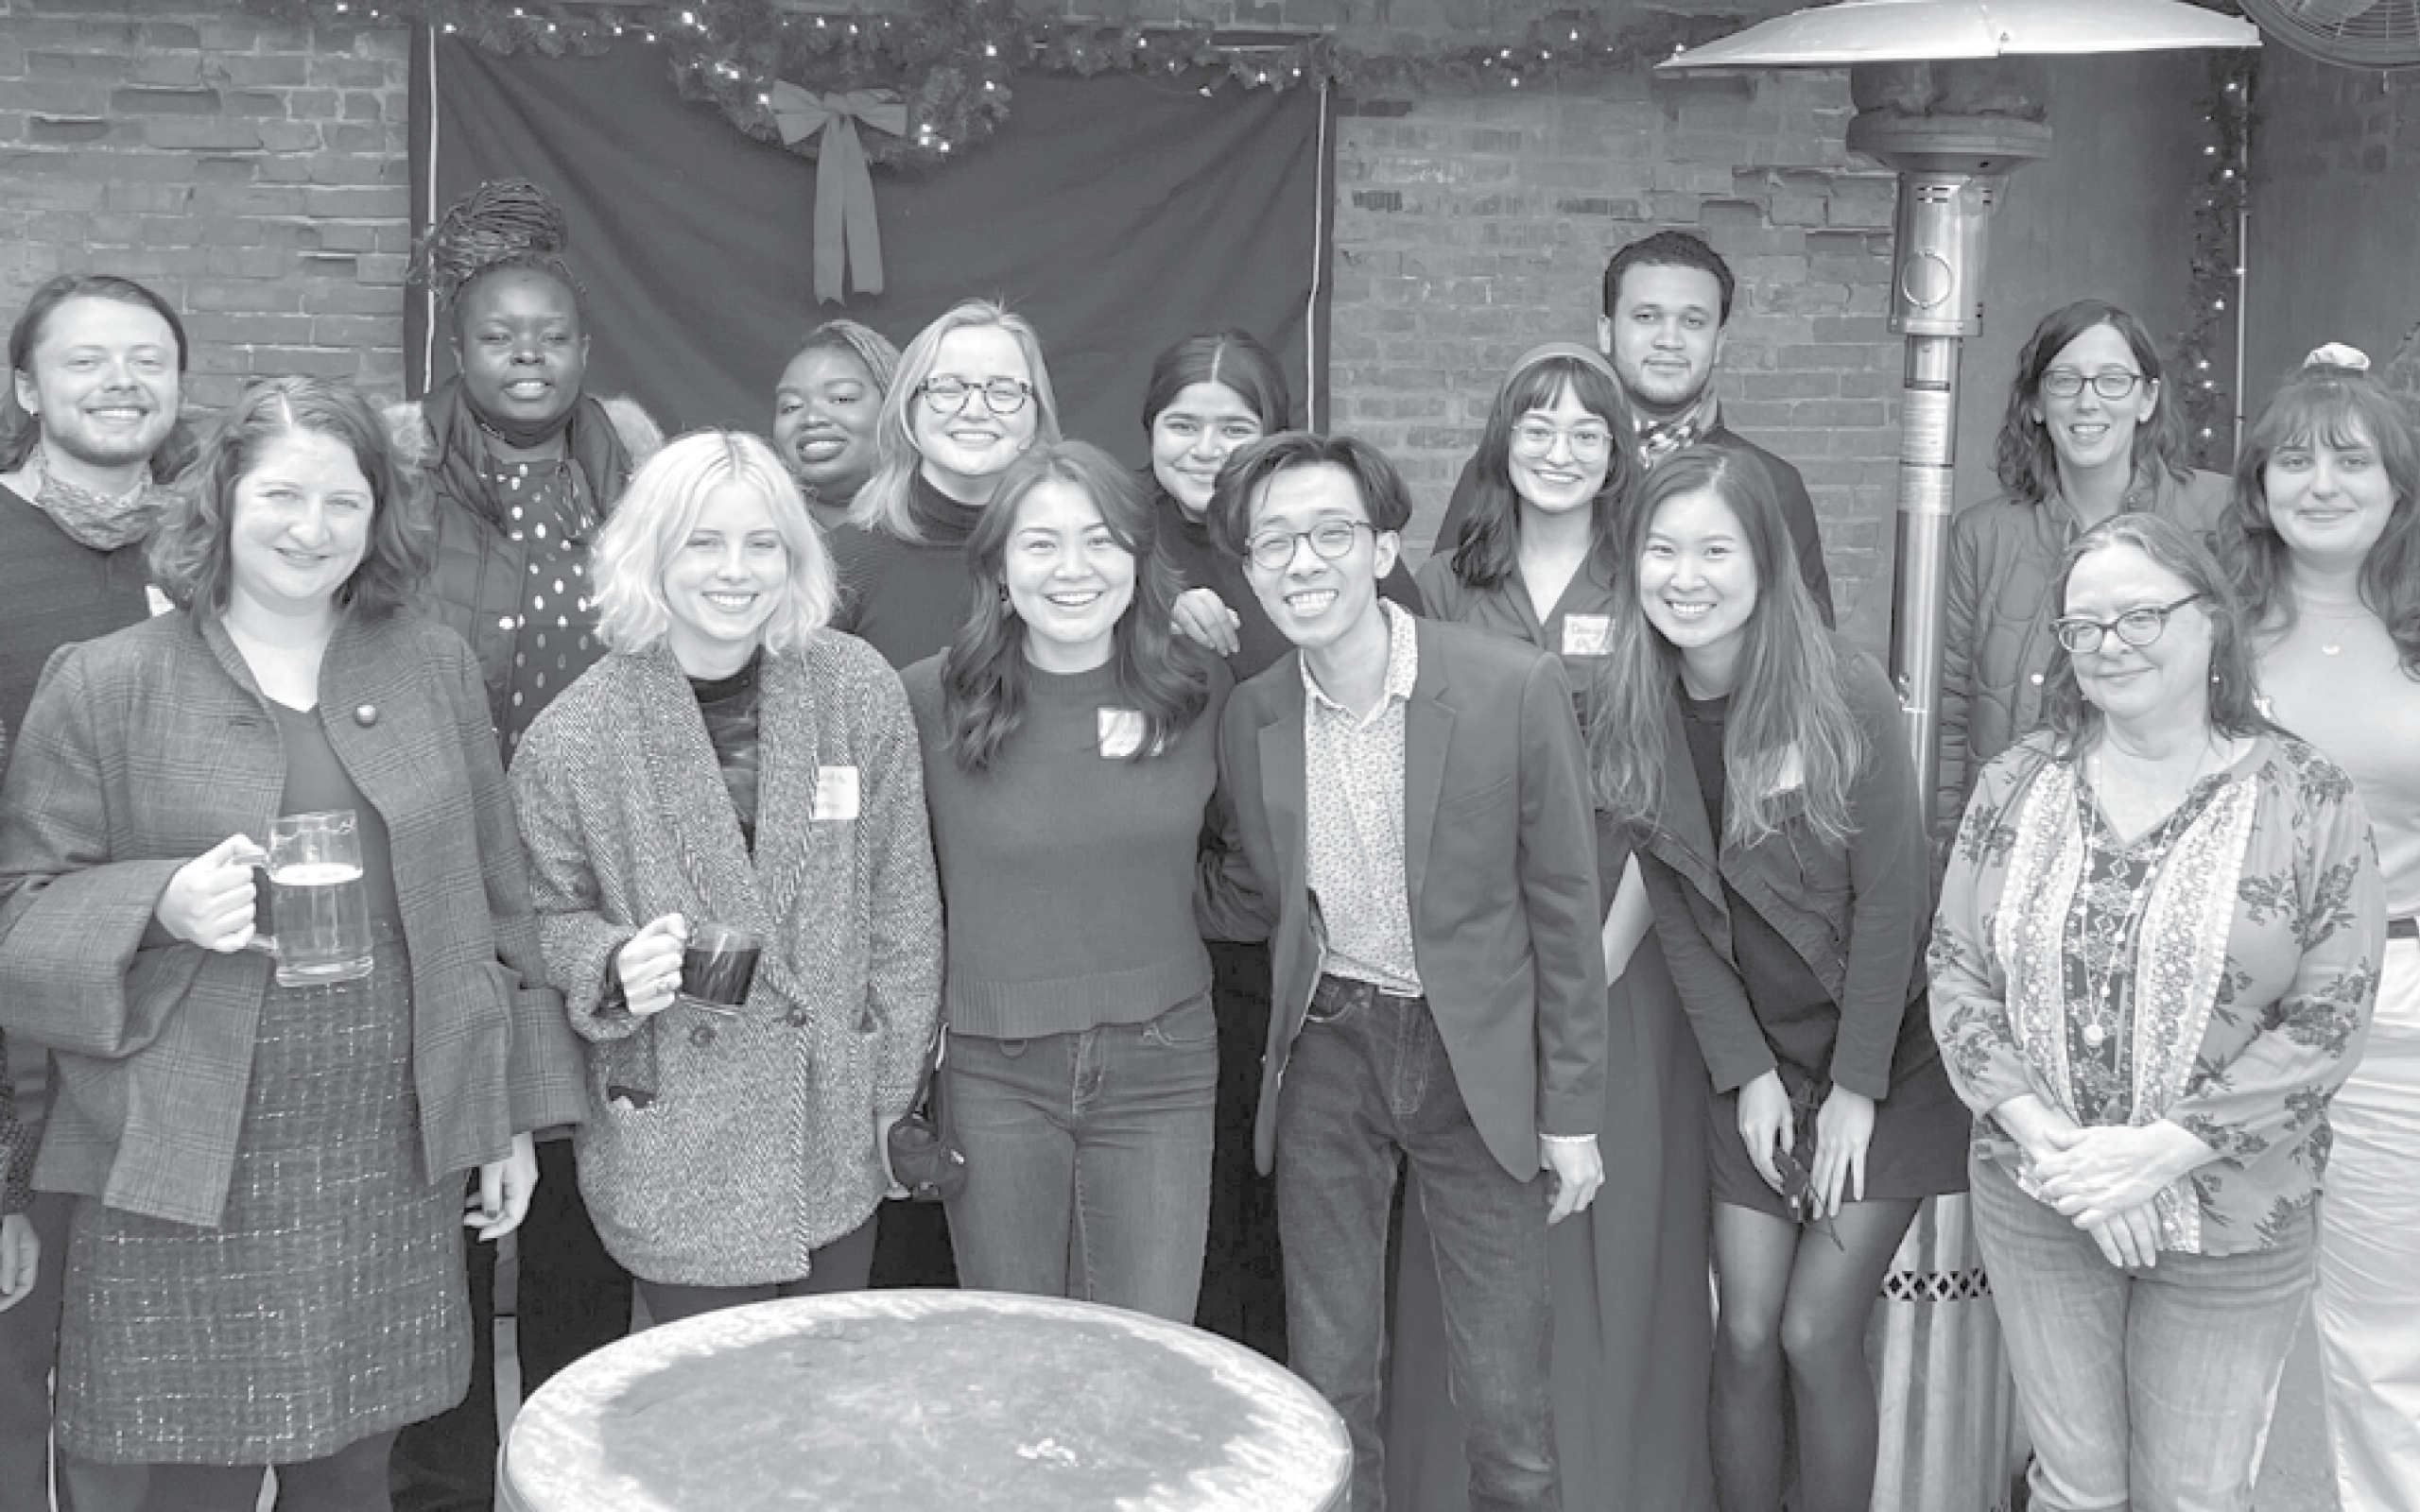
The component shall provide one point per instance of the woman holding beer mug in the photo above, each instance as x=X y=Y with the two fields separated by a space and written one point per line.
x=265 y=1145
x=732 y=768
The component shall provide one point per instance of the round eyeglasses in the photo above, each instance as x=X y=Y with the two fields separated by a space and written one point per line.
x=1001 y=396
x=2137 y=626
x=2110 y=383
x=1588 y=442
x=1273 y=552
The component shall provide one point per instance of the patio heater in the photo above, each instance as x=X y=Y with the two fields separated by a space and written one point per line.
x=1954 y=95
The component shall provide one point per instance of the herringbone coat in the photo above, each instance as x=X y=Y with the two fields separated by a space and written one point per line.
x=743 y=1143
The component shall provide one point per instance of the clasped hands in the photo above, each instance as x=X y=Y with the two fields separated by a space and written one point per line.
x=2104 y=1180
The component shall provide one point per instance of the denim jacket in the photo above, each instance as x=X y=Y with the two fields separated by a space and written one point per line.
x=1857 y=914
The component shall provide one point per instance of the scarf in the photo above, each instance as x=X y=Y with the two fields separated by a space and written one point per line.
x=2180 y=954
x=93 y=519
x=1658 y=439
x=461 y=463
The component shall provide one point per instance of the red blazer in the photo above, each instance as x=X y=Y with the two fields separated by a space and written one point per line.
x=1500 y=851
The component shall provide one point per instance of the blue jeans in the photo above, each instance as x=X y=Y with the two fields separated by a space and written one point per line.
x=1368 y=1091
x=2146 y=1390
x=1087 y=1160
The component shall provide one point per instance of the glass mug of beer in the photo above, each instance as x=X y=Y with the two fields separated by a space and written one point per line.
x=316 y=918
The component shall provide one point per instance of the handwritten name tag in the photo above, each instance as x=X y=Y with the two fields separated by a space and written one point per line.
x=1121 y=734
x=1588 y=635
x=835 y=793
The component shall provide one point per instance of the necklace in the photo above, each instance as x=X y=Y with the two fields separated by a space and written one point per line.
x=2096 y=1032
x=2335 y=645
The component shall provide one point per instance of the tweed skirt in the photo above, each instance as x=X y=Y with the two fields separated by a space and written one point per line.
x=329 y=1304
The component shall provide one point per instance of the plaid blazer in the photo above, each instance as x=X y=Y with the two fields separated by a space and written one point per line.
x=147 y=748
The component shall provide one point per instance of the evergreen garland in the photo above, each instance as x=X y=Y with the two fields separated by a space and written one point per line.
x=950 y=59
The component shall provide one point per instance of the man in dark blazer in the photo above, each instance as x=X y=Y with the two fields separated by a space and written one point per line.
x=1414 y=831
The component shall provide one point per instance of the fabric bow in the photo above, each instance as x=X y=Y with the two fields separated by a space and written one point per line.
x=846 y=235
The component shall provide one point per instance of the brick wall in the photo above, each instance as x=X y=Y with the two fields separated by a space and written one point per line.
x=257 y=174
x=1469 y=228
x=253 y=174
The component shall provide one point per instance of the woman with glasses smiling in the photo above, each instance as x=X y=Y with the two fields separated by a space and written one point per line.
x=2092 y=431
x=2156 y=959
x=969 y=397
x=1538 y=563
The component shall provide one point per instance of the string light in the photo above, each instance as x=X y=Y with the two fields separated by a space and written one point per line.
x=951 y=57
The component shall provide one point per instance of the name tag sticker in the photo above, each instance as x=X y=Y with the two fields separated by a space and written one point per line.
x=1121 y=734
x=835 y=793
x=156 y=600
x=1588 y=635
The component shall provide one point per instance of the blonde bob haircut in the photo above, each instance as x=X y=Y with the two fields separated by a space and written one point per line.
x=882 y=505
x=653 y=521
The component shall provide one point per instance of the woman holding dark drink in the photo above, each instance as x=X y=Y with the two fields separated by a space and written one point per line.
x=263 y=1267
x=731 y=765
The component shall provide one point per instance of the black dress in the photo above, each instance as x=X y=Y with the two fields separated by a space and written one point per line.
x=1919 y=1143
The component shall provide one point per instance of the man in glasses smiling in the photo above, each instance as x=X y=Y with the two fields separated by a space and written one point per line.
x=1412 y=830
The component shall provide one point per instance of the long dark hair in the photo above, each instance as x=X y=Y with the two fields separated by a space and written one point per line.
x=2235 y=709
x=1789 y=701
x=191 y=553
x=2024 y=459
x=2325 y=404
x=1491 y=543
x=985 y=675
x=19 y=429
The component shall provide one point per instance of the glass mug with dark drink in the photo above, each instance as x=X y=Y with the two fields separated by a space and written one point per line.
x=717 y=967
x=316 y=918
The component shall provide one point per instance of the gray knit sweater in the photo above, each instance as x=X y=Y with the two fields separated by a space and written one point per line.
x=757 y=1142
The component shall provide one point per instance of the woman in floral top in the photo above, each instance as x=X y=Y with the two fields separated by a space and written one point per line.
x=2156 y=959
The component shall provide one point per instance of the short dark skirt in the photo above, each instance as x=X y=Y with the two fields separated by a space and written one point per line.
x=1918 y=1150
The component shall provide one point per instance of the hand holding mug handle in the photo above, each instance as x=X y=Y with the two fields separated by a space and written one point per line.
x=211 y=901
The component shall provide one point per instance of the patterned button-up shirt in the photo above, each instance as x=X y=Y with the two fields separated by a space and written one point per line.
x=1353 y=778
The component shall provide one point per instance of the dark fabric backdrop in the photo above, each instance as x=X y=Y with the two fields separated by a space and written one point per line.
x=1116 y=212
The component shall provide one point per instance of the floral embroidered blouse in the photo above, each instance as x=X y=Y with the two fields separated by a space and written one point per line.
x=2218 y=972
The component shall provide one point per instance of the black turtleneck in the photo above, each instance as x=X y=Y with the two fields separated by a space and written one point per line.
x=906 y=598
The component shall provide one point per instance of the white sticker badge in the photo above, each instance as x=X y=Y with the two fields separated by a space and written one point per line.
x=1588 y=635
x=1121 y=734
x=836 y=795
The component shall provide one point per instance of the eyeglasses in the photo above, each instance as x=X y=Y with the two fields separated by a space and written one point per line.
x=2137 y=627
x=1001 y=396
x=2110 y=383
x=1588 y=442
x=1330 y=540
